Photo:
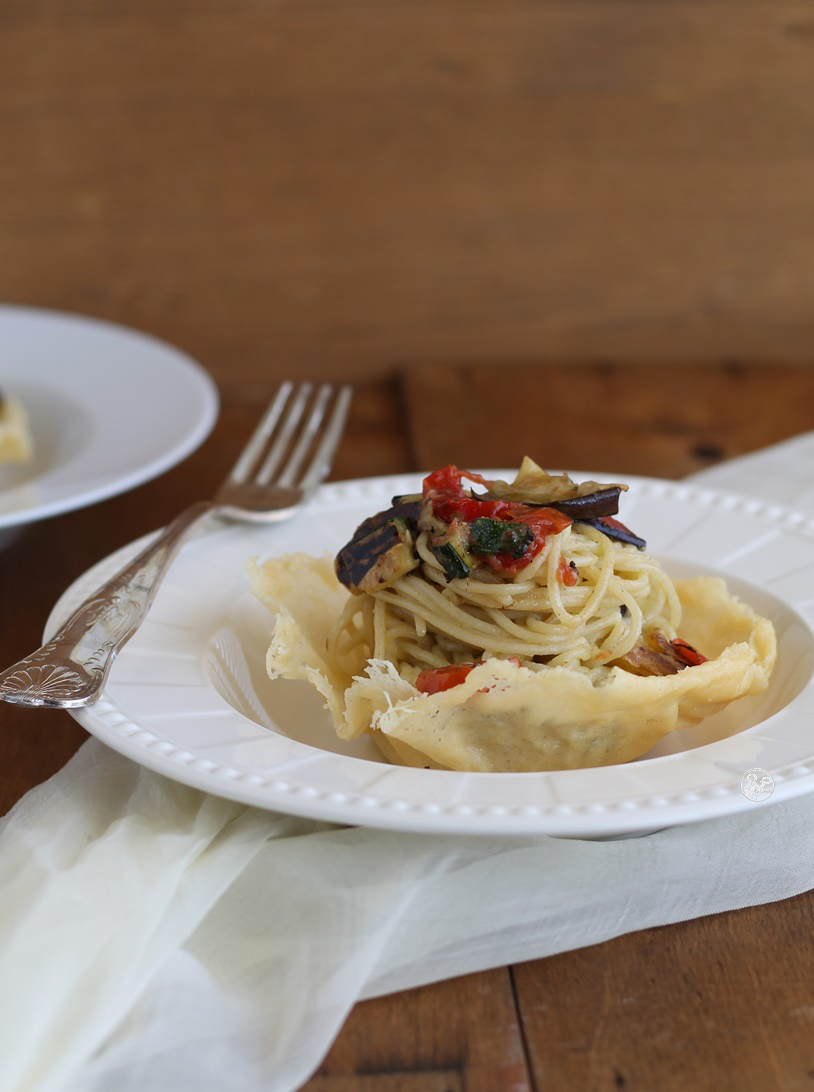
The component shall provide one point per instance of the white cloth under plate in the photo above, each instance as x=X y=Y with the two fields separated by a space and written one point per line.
x=154 y=937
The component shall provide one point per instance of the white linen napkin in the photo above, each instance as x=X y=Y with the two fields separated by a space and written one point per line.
x=155 y=937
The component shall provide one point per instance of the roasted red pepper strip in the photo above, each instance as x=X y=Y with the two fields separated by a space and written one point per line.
x=691 y=656
x=444 y=488
x=436 y=679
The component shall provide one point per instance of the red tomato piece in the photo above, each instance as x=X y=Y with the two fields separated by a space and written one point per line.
x=436 y=679
x=567 y=574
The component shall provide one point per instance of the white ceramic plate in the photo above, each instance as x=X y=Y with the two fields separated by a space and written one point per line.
x=109 y=408
x=188 y=696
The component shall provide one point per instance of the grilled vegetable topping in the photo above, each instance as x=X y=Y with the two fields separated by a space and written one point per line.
x=505 y=527
x=615 y=530
x=655 y=655
x=536 y=487
x=451 y=549
x=445 y=501
x=404 y=508
x=691 y=656
x=377 y=559
x=602 y=502
x=495 y=536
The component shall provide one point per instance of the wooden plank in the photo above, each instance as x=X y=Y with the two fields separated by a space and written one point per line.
x=662 y=421
x=720 y=1002
x=344 y=188
x=460 y=1034
x=390 y=1082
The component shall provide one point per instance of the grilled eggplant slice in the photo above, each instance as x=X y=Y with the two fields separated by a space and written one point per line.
x=407 y=509
x=616 y=530
x=377 y=559
x=602 y=502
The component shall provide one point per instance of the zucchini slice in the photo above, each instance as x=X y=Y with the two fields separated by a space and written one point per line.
x=452 y=550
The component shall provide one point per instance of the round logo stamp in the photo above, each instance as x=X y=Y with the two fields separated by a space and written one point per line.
x=757 y=784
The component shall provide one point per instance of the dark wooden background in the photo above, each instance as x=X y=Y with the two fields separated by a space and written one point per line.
x=350 y=186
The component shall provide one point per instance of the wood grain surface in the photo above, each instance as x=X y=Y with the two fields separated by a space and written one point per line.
x=656 y=419
x=350 y=186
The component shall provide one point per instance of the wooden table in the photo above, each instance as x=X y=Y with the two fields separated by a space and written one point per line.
x=722 y=1002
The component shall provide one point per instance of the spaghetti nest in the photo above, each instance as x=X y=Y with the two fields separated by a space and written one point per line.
x=514 y=627
x=583 y=602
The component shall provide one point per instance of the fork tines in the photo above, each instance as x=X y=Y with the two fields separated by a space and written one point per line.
x=295 y=441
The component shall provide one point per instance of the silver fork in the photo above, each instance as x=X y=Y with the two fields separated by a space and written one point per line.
x=288 y=455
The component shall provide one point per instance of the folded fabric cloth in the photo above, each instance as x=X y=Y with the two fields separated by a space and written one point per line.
x=782 y=473
x=155 y=937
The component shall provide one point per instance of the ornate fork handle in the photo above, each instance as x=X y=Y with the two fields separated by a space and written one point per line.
x=72 y=668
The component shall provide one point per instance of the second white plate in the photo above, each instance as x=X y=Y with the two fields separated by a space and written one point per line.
x=109 y=408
